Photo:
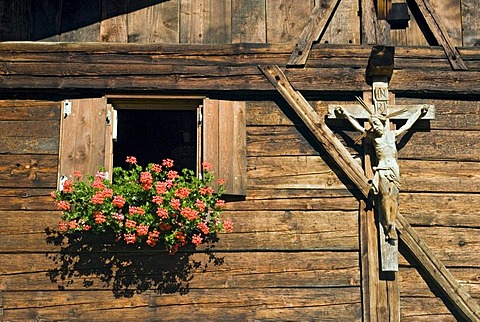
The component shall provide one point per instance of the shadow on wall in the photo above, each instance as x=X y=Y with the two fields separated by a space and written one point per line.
x=126 y=270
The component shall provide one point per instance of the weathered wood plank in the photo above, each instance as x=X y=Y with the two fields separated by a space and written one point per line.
x=246 y=53
x=30 y=128
x=286 y=20
x=454 y=146
x=248 y=21
x=340 y=32
x=316 y=26
x=442 y=278
x=449 y=11
x=156 y=23
x=438 y=30
x=22 y=272
x=113 y=25
x=440 y=176
x=331 y=200
x=37 y=171
x=318 y=129
x=415 y=309
x=205 y=21
x=413 y=285
x=26 y=199
x=292 y=194
x=309 y=171
x=287 y=230
x=453 y=245
x=300 y=172
x=373 y=30
x=228 y=305
x=470 y=23
x=441 y=209
x=29 y=110
x=197 y=78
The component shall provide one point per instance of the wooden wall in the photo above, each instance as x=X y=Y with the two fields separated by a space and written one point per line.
x=214 y=21
x=294 y=254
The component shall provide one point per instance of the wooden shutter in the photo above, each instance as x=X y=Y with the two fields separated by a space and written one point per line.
x=85 y=138
x=224 y=142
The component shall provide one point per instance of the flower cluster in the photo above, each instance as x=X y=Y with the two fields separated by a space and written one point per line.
x=156 y=205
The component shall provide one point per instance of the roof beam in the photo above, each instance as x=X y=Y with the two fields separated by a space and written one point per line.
x=456 y=295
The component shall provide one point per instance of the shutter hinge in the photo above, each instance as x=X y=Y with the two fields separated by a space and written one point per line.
x=112 y=120
x=200 y=119
x=62 y=182
x=67 y=108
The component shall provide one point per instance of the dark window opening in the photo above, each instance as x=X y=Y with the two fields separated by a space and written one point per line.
x=154 y=135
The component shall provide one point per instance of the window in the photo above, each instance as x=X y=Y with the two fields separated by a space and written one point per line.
x=189 y=130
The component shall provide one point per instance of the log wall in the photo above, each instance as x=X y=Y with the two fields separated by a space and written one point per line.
x=294 y=254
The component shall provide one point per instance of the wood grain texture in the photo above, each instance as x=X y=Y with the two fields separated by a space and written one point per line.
x=174 y=67
x=249 y=21
x=345 y=25
x=471 y=25
x=113 y=26
x=262 y=304
x=249 y=270
x=316 y=26
x=83 y=137
x=205 y=21
x=273 y=231
x=437 y=27
x=286 y=20
x=157 y=23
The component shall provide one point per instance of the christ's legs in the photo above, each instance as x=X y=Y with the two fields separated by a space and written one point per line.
x=388 y=206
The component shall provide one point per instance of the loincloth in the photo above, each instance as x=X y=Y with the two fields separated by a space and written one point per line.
x=384 y=172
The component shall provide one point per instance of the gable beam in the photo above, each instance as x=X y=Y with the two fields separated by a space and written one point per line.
x=316 y=26
x=466 y=306
x=439 y=32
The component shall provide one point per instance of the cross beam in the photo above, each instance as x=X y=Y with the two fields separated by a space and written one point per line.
x=467 y=307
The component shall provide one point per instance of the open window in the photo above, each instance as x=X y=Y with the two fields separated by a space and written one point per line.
x=103 y=131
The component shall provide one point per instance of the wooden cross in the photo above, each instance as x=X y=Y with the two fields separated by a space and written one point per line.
x=382 y=104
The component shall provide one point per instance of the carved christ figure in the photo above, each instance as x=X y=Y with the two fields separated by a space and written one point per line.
x=386 y=180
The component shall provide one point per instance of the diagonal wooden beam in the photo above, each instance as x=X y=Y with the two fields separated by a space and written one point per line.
x=466 y=306
x=316 y=125
x=439 y=32
x=316 y=25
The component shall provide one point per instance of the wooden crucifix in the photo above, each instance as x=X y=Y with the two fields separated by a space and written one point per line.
x=385 y=178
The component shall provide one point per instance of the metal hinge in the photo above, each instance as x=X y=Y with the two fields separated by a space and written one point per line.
x=112 y=120
x=67 y=108
x=200 y=118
